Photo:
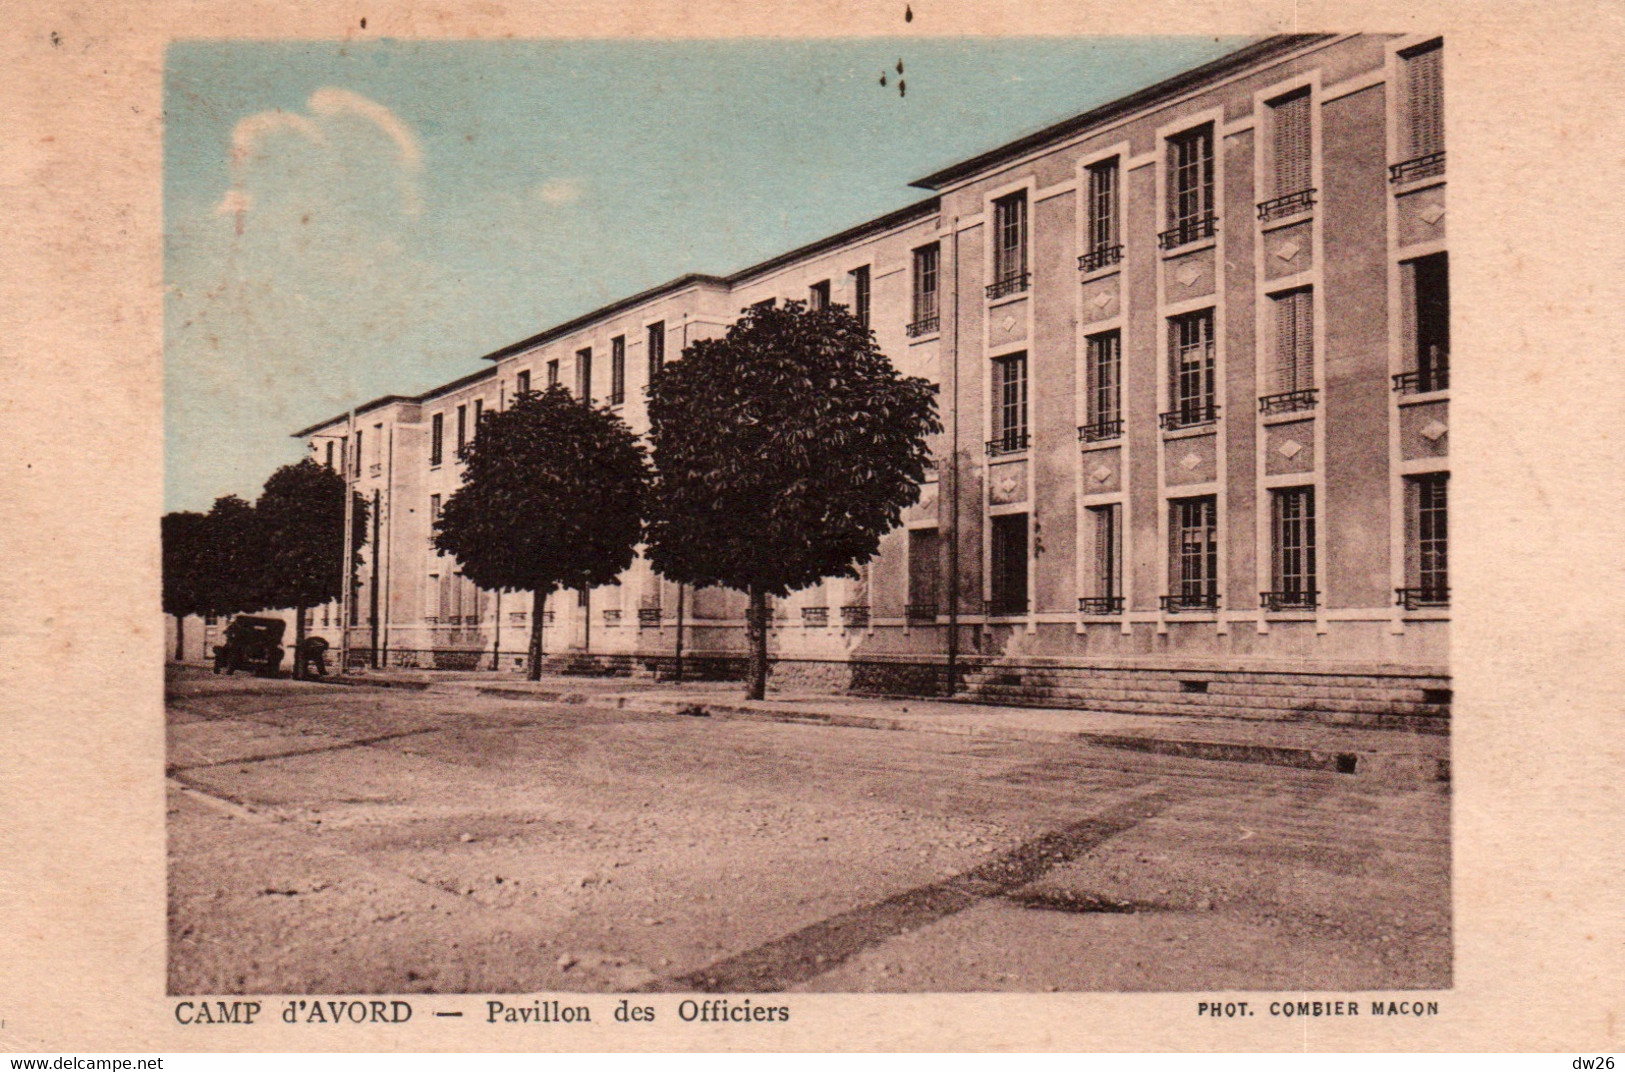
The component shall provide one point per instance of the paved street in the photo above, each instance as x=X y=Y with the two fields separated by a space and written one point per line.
x=342 y=839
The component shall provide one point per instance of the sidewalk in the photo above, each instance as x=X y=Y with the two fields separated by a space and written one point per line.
x=1391 y=757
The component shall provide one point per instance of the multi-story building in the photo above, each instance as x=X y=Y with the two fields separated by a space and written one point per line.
x=1193 y=351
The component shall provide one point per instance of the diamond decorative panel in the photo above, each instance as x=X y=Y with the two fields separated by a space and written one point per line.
x=1188 y=274
x=1101 y=474
x=1288 y=250
x=1103 y=299
x=1191 y=460
x=1290 y=449
x=1009 y=322
x=1432 y=430
x=1433 y=213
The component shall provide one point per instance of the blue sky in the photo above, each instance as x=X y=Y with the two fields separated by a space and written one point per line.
x=348 y=220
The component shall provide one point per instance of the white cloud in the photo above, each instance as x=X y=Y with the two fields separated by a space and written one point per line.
x=558 y=191
x=326 y=105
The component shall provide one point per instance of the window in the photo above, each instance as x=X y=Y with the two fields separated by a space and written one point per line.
x=1010 y=246
x=818 y=295
x=657 y=348
x=1190 y=187
x=764 y=305
x=926 y=316
x=434 y=508
x=479 y=414
x=1193 y=568
x=1104 y=375
x=521 y=383
x=1009 y=573
x=1422 y=120
x=1291 y=143
x=1190 y=373
x=617 y=370
x=330 y=454
x=1009 y=404
x=1427 y=542
x=858 y=282
x=584 y=374
x=1107 y=522
x=358 y=434
x=437 y=439
x=553 y=373
x=462 y=427
x=1425 y=284
x=1292 y=528
x=924 y=570
x=431 y=599
x=1291 y=379
x=1105 y=247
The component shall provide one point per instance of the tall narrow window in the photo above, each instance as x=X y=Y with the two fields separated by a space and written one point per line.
x=818 y=295
x=330 y=454
x=1190 y=187
x=358 y=434
x=462 y=427
x=1291 y=383
x=1009 y=572
x=521 y=383
x=617 y=370
x=1193 y=567
x=434 y=508
x=479 y=414
x=584 y=374
x=1427 y=541
x=1009 y=404
x=926 y=316
x=924 y=570
x=657 y=348
x=1105 y=247
x=431 y=600
x=1290 y=158
x=858 y=281
x=1104 y=374
x=1292 y=528
x=1107 y=522
x=1425 y=283
x=1190 y=373
x=1423 y=121
x=1010 y=248
x=553 y=373
x=437 y=439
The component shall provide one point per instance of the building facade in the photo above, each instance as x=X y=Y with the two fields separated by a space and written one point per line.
x=1193 y=355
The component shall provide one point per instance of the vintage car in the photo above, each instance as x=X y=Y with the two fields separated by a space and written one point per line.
x=251 y=644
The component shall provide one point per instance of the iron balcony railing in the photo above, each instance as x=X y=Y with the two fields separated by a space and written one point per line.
x=1427 y=595
x=814 y=616
x=548 y=616
x=516 y=617
x=1096 y=431
x=1420 y=381
x=855 y=617
x=612 y=617
x=1005 y=607
x=1288 y=401
x=1009 y=443
x=1100 y=605
x=431 y=619
x=1289 y=599
x=1100 y=257
x=1190 y=416
x=1014 y=283
x=1279 y=208
x=649 y=618
x=1419 y=167
x=1188 y=601
x=1190 y=230
x=921 y=612
x=925 y=326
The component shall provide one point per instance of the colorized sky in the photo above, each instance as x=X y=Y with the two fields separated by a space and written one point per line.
x=349 y=220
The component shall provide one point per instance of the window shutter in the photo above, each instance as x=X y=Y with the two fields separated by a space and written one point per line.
x=1424 y=81
x=1292 y=145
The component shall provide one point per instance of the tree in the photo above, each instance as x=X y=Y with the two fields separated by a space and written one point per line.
x=184 y=536
x=782 y=453
x=300 y=515
x=552 y=497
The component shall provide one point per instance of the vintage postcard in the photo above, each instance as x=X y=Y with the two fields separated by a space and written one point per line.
x=944 y=526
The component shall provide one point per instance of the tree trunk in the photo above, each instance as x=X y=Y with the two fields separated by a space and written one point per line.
x=180 y=638
x=756 y=631
x=538 y=614
x=299 y=643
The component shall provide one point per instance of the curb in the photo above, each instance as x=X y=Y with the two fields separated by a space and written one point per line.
x=1406 y=769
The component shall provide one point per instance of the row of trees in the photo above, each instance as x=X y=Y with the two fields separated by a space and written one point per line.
x=284 y=550
x=776 y=456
